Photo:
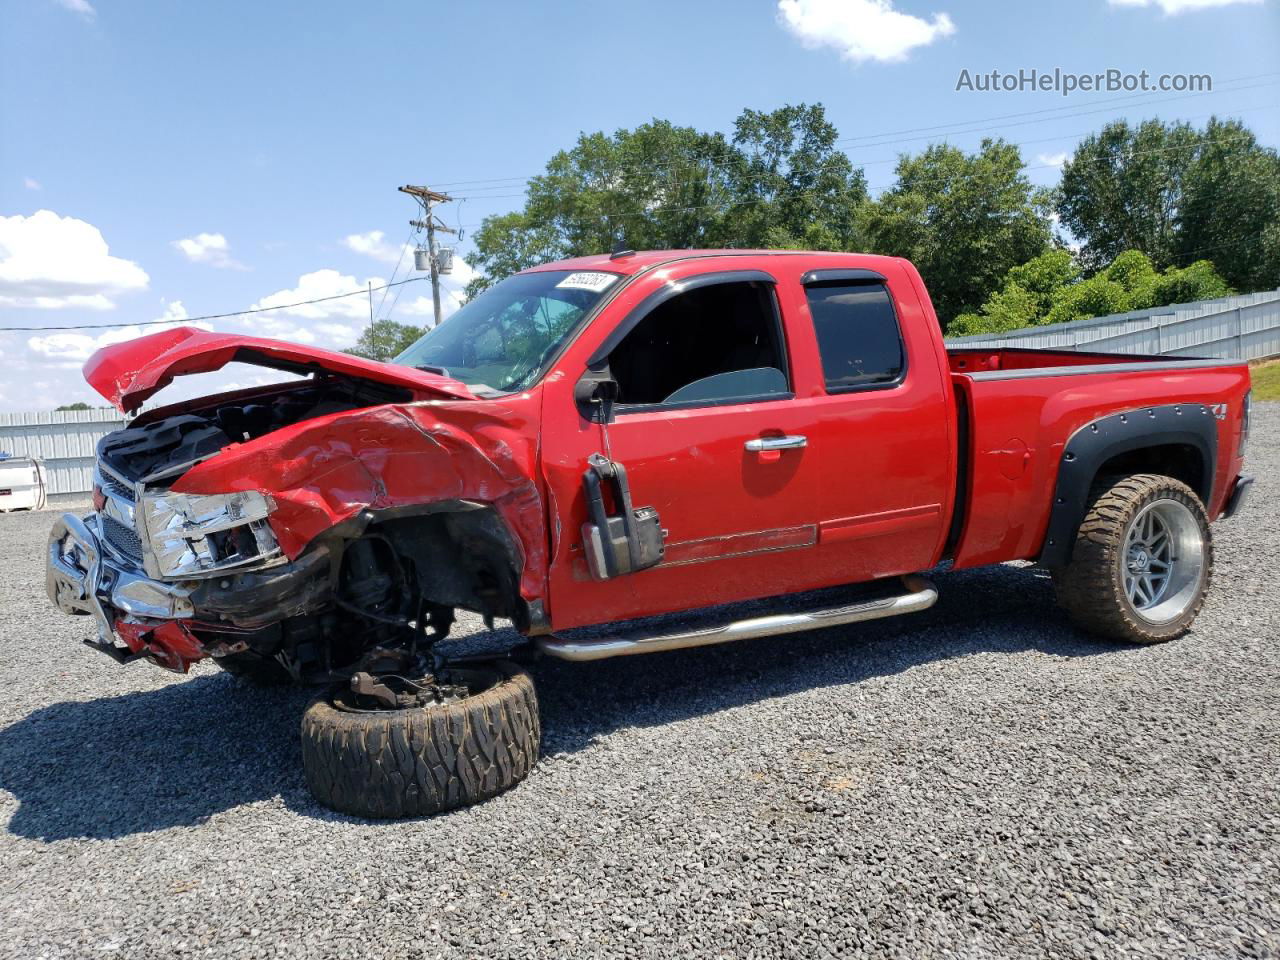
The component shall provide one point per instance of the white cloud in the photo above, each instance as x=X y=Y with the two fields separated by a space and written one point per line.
x=340 y=320
x=1052 y=159
x=50 y=262
x=210 y=248
x=338 y=332
x=861 y=29
x=47 y=366
x=317 y=285
x=31 y=183
x=1174 y=7
x=67 y=348
x=82 y=7
x=463 y=273
x=373 y=244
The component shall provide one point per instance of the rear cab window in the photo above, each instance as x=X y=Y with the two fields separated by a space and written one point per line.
x=859 y=337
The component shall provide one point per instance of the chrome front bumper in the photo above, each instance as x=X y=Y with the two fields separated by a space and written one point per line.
x=83 y=579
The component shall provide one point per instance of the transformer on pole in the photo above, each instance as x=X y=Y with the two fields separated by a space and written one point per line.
x=439 y=260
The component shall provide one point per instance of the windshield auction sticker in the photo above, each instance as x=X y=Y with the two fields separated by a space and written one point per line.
x=595 y=282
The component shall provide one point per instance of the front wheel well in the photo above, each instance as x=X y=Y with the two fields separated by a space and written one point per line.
x=463 y=558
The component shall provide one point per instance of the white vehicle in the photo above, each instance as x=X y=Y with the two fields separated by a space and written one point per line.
x=22 y=484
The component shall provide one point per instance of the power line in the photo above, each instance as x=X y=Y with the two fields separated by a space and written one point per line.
x=1028 y=113
x=1068 y=111
x=662 y=210
x=676 y=184
x=1225 y=245
x=403 y=250
x=656 y=211
x=1083 y=113
x=213 y=316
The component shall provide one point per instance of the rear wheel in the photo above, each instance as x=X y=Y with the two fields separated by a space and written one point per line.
x=1142 y=560
x=363 y=757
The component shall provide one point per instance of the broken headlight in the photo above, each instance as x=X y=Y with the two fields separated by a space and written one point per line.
x=190 y=534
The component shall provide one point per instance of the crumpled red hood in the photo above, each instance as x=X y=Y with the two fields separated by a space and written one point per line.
x=130 y=372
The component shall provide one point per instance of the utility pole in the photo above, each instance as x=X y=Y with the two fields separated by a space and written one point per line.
x=429 y=198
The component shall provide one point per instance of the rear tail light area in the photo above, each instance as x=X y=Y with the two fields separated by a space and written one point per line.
x=1245 y=422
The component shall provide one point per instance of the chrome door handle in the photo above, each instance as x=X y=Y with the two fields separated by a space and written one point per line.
x=776 y=443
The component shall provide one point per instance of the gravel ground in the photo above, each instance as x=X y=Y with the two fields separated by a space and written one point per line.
x=979 y=780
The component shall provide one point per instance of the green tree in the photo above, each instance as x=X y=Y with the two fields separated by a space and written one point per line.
x=1177 y=194
x=1010 y=308
x=1026 y=297
x=385 y=340
x=1230 y=209
x=508 y=243
x=1051 y=289
x=793 y=187
x=653 y=187
x=1095 y=296
x=78 y=405
x=963 y=219
x=780 y=182
x=1121 y=189
x=1199 y=281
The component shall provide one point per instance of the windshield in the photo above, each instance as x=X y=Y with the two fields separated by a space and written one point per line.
x=502 y=338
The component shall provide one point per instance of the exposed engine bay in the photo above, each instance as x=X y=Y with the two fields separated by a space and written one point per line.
x=183 y=576
x=155 y=446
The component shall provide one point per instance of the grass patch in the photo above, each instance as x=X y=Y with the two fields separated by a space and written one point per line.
x=1266 y=381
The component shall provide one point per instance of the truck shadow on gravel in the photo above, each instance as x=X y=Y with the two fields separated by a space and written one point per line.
x=150 y=760
x=177 y=755
x=1002 y=609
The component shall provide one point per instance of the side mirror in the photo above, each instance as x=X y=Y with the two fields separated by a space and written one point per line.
x=595 y=395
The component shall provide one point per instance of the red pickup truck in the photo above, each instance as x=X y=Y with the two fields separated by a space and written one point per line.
x=593 y=443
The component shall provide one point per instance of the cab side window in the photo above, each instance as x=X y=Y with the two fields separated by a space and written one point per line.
x=858 y=335
x=712 y=344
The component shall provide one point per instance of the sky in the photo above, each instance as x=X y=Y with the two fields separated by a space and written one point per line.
x=163 y=161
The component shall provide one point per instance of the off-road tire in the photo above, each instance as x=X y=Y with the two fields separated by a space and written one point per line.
x=254 y=669
x=416 y=762
x=1091 y=586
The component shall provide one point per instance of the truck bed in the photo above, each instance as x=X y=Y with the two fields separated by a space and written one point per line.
x=1044 y=362
x=1018 y=408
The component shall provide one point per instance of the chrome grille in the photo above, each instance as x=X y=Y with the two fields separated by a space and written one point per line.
x=115 y=486
x=121 y=538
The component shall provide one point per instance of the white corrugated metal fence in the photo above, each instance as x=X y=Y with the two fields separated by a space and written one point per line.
x=65 y=441
x=1245 y=327
x=1238 y=328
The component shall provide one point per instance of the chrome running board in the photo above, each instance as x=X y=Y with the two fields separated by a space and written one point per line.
x=921 y=594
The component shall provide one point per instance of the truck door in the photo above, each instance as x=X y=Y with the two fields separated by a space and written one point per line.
x=710 y=434
x=885 y=425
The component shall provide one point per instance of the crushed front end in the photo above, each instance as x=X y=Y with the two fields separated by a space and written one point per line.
x=176 y=577
x=303 y=532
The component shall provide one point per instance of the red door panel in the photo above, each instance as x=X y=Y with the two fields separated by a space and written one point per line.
x=886 y=455
x=739 y=524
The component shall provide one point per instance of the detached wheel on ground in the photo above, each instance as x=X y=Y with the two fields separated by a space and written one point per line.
x=362 y=757
x=1142 y=560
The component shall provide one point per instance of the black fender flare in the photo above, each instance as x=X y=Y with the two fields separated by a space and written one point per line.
x=1185 y=424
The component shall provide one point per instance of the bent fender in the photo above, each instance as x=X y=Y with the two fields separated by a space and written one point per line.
x=321 y=472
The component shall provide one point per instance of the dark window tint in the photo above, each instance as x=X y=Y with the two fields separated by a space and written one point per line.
x=857 y=334
x=708 y=345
